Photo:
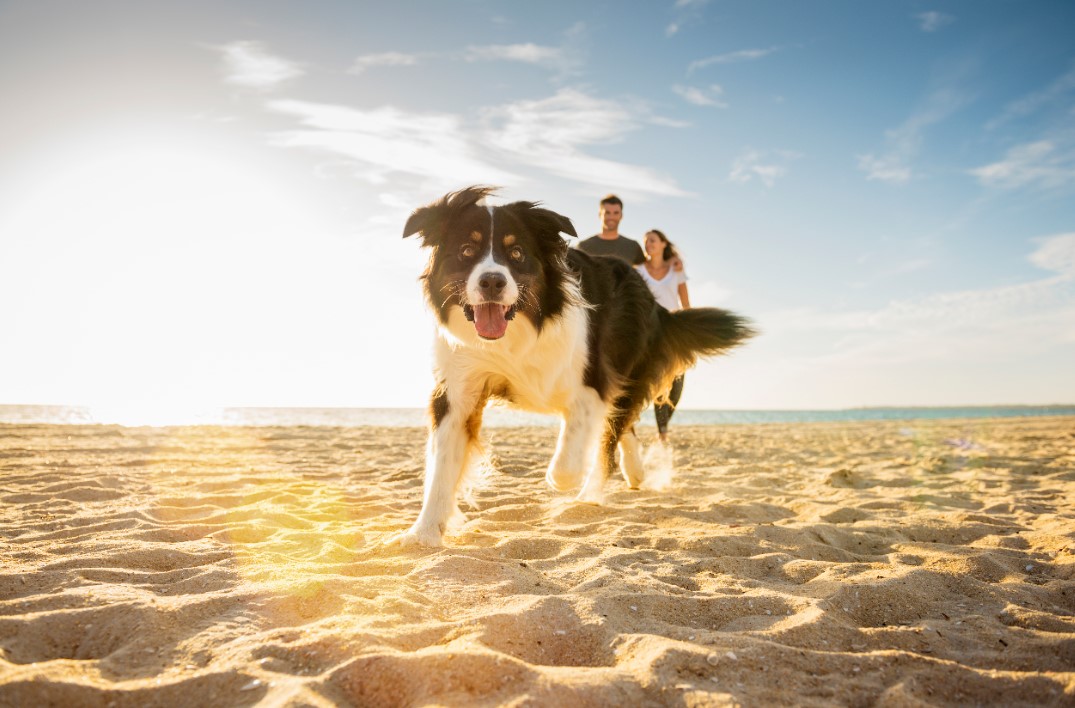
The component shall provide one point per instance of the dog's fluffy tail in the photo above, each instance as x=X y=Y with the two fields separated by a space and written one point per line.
x=704 y=331
x=697 y=333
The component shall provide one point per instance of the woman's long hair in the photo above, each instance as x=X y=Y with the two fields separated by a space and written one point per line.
x=670 y=251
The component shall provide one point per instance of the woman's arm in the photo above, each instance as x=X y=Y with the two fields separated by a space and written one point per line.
x=684 y=299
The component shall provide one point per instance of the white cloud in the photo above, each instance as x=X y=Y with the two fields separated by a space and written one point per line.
x=561 y=59
x=933 y=20
x=384 y=59
x=549 y=133
x=386 y=140
x=708 y=96
x=526 y=53
x=708 y=293
x=1035 y=101
x=988 y=346
x=1042 y=163
x=687 y=11
x=662 y=120
x=904 y=142
x=961 y=330
x=766 y=167
x=568 y=118
x=731 y=58
x=1056 y=254
x=249 y=64
x=443 y=151
x=978 y=324
x=886 y=169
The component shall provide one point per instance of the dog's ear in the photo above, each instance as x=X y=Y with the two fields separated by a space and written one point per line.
x=561 y=223
x=431 y=220
x=424 y=220
x=543 y=220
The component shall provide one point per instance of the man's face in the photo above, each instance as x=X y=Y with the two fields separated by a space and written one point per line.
x=610 y=216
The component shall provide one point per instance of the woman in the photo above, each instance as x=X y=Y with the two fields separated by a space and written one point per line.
x=664 y=274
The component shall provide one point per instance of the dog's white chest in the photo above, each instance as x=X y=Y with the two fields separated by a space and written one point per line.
x=540 y=372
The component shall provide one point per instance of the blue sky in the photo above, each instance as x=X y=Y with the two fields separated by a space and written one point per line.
x=201 y=203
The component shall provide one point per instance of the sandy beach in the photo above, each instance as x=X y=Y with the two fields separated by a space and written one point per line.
x=893 y=564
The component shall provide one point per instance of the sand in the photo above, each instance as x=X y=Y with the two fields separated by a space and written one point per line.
x=893 y=564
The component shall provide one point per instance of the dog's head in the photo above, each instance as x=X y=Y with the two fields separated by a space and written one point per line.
x=492 y=263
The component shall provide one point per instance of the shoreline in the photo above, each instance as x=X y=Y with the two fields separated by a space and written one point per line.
x=496 y=416
x=645 y=428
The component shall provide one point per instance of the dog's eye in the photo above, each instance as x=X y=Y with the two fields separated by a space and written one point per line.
x=517 y=254
x=468 y=251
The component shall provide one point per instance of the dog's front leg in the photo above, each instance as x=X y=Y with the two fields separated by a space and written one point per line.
x=623 y=414
x=579 y=436
x=631 y=460
x=446 y=458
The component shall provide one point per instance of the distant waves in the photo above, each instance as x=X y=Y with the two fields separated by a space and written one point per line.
x=494 y=417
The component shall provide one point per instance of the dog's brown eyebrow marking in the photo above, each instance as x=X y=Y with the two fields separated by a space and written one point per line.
x=476 y=236
x=509 y=240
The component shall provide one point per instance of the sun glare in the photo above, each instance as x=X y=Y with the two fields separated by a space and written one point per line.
x=144 y=257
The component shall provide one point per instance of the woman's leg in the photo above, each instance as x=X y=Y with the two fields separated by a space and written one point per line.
x=677 y=391
x=663 y=411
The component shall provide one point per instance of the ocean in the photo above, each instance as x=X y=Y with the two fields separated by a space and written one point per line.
x=495 y=416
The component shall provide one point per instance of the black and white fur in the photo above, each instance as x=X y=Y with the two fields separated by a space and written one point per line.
x=524 y=319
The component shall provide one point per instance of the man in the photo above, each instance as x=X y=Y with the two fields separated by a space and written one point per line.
x=609 y=242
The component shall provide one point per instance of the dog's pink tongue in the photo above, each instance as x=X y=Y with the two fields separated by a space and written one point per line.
x=489 y=320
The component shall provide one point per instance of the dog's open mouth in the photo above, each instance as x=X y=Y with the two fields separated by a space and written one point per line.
x=490 y=318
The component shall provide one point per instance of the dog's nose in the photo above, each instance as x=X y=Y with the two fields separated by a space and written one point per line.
x=491 y=284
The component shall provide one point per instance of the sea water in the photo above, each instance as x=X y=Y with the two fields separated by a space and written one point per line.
x=495 y=416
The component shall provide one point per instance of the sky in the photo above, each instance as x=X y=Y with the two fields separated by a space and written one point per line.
x=202 y=203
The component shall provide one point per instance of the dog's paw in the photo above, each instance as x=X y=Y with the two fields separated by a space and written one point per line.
x=591 y=495
x=416 y=537
x=562 y=481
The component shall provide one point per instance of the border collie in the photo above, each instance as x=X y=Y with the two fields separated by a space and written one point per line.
x=525 y=319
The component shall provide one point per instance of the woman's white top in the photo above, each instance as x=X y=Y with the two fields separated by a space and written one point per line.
x=666 y=290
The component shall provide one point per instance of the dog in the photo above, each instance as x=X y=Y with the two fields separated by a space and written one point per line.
x=524 y=319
